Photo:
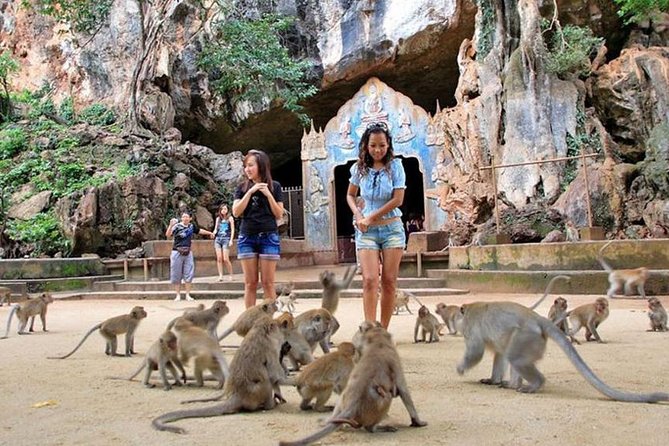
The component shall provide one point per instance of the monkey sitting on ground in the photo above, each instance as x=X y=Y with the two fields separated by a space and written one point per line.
x=326 y=374
x=451 y=316
x=299 y=351
x=207 y=319
x=428 y=323
x=375 y=380
x=657 y=315
x=29 y=309
x=558 y=314
x=316 y=327
x=518 y=336
x=255 y=375
x=5 y=295
x=247 y=319
x=111 y=328
x=194 y=342
x=588 y=316
x=162 y=355
x=626 y=278
x=331 y=292
x=571 y=233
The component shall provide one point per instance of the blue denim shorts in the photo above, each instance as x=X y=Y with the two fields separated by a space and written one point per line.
x=265 y=245
x=381 y=237
x=222 y=243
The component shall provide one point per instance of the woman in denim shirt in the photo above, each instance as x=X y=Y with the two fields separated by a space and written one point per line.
x=379 y=237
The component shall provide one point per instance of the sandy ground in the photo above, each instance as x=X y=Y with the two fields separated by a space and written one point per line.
x=83 y=407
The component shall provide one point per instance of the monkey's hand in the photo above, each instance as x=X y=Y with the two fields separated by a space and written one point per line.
x=416 y=422
x=279 y=398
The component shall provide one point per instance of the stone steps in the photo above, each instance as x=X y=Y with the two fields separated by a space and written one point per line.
x=21 y=287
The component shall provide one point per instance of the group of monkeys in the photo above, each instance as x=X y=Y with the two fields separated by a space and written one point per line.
x=366 y=372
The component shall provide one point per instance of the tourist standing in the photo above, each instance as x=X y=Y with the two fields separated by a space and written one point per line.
x=259 y=204
x=182 y=264
x=380 y=179
x=224 y=230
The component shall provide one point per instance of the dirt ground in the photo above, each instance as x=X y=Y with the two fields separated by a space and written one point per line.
x=65 y=402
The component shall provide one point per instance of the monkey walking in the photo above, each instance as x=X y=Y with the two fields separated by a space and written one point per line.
x=111 y=328
x=375 y=380
x=657 y=315
x=194 y=342
x=518 y=336
x=162 y=355
x=28 y=310
x=588 y=316
x=253 y=384
x=452 y=317
x=625 y=278
x=402 y=298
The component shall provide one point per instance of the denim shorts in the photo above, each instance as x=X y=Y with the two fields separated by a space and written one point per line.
x=222 y=243
x=265 y=245
x=381 y=237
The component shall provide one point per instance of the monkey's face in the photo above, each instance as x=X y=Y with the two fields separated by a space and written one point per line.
x=220 y=308
x=423 y=312
x=138 y=313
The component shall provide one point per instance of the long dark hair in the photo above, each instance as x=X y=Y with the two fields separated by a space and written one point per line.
x=365 y=160
x=263 y=169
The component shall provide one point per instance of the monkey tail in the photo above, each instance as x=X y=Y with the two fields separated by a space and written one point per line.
x=600 y=257
x=226 y=333
x=141 y=367
x=554 y=333
x=228 y=407
x=413 y=296
x=97 y=327
x=9 y=320
x=171 y=323
x=328 y=429
x=549 y=287
x=223 y=364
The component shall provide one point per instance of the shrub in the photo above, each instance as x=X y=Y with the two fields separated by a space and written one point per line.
x=12 y=141
x=43 y=231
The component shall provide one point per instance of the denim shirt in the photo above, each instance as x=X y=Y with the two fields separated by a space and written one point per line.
x=377 y=186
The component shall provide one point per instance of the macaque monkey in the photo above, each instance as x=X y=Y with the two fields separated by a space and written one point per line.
x=161 y=356
x=247 y=319
x=111 y=328
x=326 y=374
x=316 y=327
x=451 y=316
x=428 y=323
x=357 y=339
x=28 y=310
x=518 y=336
x=588 y=316
x=299 y=352
x=657 y=315
x=207 y=319
x=558 y=314
x=571 y=233
x=287 y=302
x=331 y=293
x=253 y=384
x=194 y=342
x=284 y=289
x=5 y=295
x=375 y=380
x=627 y=278
x=402 y=298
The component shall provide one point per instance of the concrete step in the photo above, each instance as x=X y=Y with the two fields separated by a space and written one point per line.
x=582 y=282
x=54 y=284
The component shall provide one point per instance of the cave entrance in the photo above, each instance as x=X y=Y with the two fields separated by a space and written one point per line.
x=412 y=207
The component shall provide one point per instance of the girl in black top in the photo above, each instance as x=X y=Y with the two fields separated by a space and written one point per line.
x=259 y=203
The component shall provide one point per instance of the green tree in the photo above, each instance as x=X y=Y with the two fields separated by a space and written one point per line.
x=7 y=66
x=639 y=10
x=84 y=16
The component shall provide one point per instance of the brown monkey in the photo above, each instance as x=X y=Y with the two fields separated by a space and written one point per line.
x=588 y=316
x=284 y=289
x=428 y=323
x=247 y=319
x=207 y=319
x=29 y=309
x=111 y=328
x=194 y=342
x=255 y=375
x=5 y=295
x=331 y=292
x=571 y=233
x=657 y=315
x=316 y=327
x=162 y=355
x=558 y=314
x=627 y=278
x=328 y=373
x=451 y=316
x=374 y=381
x=357 y=340
x=402 y=298
x=518 y=335
x=300 y=350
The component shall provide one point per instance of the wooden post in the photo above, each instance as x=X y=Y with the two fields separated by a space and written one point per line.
x=587 y=189
x=146 y=269
x=125 y=269
x=419 y=264
x=494 y=191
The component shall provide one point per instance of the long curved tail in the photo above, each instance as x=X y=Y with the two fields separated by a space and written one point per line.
x=225 y=408
x=549 y=287
x=600 y=257
x=9 y=320
x=555 y=334
x=328 y=429
x=226 y=333
x=97 y=327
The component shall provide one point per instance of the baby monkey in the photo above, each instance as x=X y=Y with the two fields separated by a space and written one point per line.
x=657 y=315
x=428 y=323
